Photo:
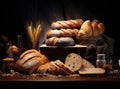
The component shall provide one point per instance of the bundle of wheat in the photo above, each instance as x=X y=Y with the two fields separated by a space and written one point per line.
x=34 y=34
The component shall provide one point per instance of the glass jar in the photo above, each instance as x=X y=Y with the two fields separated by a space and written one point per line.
x=8 y=64
x=100 y=61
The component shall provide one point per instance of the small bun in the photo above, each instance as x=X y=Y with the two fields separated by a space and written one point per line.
x=85 y=30
x=101 y=27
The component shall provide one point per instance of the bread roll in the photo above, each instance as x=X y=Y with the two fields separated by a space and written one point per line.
x=101 y=27
x=95 y=28
x=61 y=41
x=67 y=24
x=74 y=61
x=29 y=61
x=62 y=33
x=98 y=28
x=85 y=30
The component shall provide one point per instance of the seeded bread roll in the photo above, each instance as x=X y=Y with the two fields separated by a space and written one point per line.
x=62 y=33
x=61 y=41
x=74 y=61
x=67 y=24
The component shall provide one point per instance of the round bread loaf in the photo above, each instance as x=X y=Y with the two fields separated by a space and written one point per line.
x=61 y=41
x=30 y=60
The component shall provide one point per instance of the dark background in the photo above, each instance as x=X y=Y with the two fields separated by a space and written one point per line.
x=16 y=14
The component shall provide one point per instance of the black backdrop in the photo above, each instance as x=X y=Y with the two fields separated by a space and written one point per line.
x=15 y=15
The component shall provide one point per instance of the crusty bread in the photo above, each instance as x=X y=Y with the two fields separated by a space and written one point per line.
x=87 y=64
x=54 y=69
x=74 y=61
x=85 y=30
x=29 y=61
x=62 y=65
x=43 y=68
x=31 y=65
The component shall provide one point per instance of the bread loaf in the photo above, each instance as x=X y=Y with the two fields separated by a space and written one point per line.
x=91 y=28
x=98 y=27
x=30 y=60
x=43 y=68
x=74 y=61
x=67 y=24
x=62 y=33
x=85 y=30
x=61 y=41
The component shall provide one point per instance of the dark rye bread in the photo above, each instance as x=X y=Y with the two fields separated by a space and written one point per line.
x=74 y=61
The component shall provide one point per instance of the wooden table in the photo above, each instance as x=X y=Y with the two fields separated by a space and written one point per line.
x=43 y=81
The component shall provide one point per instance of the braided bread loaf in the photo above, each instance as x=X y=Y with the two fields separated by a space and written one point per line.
x=62 y=33
x=61 y=41
x=67 y=24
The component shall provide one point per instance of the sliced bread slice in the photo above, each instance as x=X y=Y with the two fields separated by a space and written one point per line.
x=74 y=61
x=87 y=64
x=63 y=66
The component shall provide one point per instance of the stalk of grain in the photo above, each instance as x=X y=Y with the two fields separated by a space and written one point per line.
x=34 y=34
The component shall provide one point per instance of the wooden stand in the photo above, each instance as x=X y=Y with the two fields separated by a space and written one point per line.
x=57 y=52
